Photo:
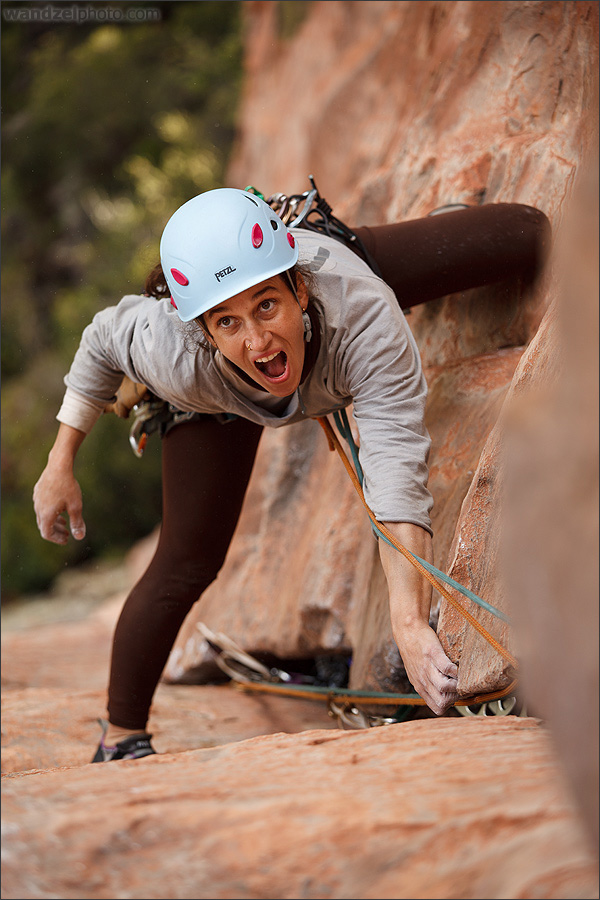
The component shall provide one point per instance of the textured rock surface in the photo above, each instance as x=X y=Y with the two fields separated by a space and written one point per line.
x=474 y=560
x=54 y=676
x=457 y=808
x=322 y=813
x=45 y=728
x=550 y=544
x=463 y=403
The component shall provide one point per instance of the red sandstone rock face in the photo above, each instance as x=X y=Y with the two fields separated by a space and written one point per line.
x=398 y=108
x=453 y=807
x=450 y=808
x=460 y=102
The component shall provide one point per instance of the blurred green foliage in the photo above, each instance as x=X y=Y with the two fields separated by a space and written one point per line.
x=290 y=16
x=107 y=129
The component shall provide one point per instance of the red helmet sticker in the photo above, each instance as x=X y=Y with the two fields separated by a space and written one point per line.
x=179 y=277
x=257 y=236
x=173 y=303
x=291 y=240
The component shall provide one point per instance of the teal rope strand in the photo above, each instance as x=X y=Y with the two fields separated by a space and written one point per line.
x=343 y=426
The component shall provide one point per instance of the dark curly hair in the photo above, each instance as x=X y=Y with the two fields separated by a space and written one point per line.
x=155 y=284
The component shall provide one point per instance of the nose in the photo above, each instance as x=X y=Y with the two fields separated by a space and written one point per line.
x=257 y=337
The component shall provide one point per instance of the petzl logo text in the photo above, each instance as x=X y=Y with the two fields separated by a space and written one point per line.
x=224 y=272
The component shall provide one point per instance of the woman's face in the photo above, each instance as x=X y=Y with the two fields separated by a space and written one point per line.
x=261 y=331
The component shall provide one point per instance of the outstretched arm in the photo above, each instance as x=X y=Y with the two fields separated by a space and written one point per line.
x=57 y=491
x=429 y=670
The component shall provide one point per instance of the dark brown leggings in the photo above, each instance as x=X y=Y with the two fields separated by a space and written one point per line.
x=206 y=465
x=455 y=251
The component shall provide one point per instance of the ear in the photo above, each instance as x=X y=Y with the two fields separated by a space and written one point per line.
x=302 y=291
x=206 y=332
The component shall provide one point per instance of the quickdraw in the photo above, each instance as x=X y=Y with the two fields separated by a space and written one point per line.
x=150 y=416
x=312 y=212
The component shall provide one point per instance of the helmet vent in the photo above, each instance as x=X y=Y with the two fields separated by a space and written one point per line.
x=179 y=277
x=274 y=225
x=257 y=236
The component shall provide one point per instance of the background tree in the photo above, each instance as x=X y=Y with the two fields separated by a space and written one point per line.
x=107 y=129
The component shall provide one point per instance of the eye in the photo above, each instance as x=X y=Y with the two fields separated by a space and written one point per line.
x=266 y=305
x=224 y=322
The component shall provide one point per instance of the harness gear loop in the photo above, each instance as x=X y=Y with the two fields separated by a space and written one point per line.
x=333 y=439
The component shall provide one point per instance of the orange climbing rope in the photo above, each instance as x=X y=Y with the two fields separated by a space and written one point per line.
x=370 y=698
x=334 y=444
x=379 y=697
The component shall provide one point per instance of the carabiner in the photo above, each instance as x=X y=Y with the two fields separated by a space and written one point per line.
x=138 y=436
x=310 y=196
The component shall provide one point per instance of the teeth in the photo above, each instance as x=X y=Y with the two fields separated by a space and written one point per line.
x=266 y=359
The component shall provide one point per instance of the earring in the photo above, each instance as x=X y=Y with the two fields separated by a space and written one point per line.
x=307 y=326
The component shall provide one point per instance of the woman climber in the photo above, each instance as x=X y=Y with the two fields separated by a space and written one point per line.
x=290 y=324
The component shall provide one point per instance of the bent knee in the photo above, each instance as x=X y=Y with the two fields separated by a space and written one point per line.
x=181 y=580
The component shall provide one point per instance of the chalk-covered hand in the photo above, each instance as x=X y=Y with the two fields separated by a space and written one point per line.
x=56 y=493
x=432 y=674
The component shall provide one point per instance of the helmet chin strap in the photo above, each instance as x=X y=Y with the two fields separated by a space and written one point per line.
x=305 y=315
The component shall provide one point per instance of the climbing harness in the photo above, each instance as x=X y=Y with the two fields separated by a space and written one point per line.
x=312 y=212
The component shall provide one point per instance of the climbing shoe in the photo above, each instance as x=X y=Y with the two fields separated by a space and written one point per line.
x=134 y=747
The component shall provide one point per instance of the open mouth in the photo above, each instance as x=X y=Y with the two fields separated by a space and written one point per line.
x=274 y=367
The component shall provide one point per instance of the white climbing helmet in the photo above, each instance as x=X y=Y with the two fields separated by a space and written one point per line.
x=219 y=244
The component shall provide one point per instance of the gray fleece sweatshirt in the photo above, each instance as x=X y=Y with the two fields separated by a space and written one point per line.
x=368 y=357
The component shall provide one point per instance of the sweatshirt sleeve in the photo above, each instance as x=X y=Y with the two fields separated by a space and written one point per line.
x=105 y=351
x=79 y=412
x=384 y=377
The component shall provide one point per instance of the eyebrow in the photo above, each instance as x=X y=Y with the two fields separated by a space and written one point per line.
x=222 y=309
